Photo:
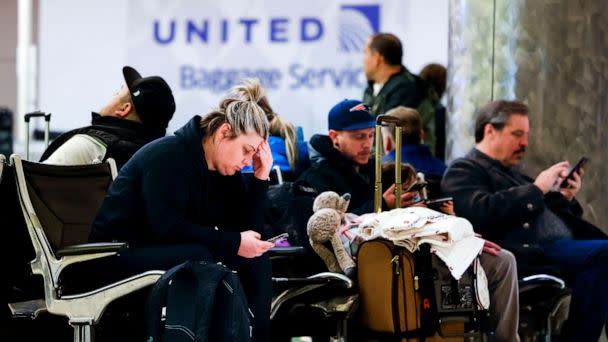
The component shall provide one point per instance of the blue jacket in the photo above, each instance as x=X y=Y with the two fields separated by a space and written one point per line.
x=421 y=158
x=279 y=155
x=167 y=195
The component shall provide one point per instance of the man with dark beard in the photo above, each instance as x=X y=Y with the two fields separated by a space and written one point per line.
x=340 y=160
x=535 y=218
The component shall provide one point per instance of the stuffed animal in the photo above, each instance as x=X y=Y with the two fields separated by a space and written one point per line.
x=324 y=226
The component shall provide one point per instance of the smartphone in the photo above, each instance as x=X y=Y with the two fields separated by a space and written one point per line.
x=576 y=168
x=417 y=186
x=438 y=202
x=274 y=239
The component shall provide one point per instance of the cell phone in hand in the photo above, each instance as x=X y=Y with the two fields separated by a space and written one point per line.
x=436 y=204
x=416 y=186
x=581 y=162
x=281 y=236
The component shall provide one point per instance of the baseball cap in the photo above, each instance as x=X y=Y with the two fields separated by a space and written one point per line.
x=151 y=96
x=350 y=115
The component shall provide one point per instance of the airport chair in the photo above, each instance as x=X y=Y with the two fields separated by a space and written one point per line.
x=59 y=204
x=318 y=305
x=544 y=301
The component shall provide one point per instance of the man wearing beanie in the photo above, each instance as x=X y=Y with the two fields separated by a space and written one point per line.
x=341 y=160
x=137 y=114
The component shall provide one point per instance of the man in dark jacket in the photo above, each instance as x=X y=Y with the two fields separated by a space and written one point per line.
x=343 y=166
x=137 y=114
x=413 y=149
x=340 y=160
x=530 y=216
x=390 y=84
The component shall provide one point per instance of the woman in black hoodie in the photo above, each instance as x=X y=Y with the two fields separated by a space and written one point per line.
x=183 y=197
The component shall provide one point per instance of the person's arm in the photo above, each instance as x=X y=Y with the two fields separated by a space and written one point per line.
x=252 y=203
x=166 y=191
x=474 y=198
x=80 y=149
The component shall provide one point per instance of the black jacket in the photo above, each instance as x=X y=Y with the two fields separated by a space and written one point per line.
x=332 y=172
x=122 y=137
x=504 y=204
x=401 y=89
x=406 y=89
x=167 y=195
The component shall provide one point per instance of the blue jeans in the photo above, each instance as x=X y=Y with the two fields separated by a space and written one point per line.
x=585 y=263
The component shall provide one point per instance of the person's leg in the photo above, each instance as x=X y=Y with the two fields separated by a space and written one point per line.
x=501 y=271
x=587 y=262
x=256 y=276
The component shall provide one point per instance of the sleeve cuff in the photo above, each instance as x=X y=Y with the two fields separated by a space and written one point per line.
x=230 y=242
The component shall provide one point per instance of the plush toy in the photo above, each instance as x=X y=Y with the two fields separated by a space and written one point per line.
x=324 y=225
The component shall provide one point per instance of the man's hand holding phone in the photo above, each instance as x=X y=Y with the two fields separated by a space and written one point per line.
x=571 y=185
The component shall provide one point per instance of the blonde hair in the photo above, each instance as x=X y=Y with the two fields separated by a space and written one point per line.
x=246 y=109
x=287 y=131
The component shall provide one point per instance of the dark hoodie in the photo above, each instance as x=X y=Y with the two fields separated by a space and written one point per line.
x=331 y=171
x=166 y=195
x=122 y=137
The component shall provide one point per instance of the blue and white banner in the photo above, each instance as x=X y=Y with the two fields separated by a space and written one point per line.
x=307 y=54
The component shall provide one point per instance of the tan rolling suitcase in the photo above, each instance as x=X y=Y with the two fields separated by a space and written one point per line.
x=398 y=289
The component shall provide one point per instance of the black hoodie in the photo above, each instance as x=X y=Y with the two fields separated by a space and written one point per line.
x=166 y=195
x=331 y=171
x=122 y=137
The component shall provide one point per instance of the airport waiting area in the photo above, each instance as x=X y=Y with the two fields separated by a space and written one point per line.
x=320 y=171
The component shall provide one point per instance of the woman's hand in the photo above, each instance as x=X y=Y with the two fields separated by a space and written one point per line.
x=251 y=246
x=262 y=161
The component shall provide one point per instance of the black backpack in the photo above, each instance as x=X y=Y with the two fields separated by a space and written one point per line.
x=198 y=301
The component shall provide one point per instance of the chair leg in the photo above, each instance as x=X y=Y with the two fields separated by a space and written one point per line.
x=83 y=332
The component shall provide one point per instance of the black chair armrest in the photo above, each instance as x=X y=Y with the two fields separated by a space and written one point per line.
x=90 y=248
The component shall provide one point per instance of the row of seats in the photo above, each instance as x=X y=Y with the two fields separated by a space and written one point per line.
x=57 y=206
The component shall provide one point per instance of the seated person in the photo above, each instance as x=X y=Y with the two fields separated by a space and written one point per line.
x=436 y=75
x=340 y=161
x=345 y=167
x=516 y=210
x=408 y=178
x=137 y=114
x=183 y=197
x=289 y=150
x=413 y=149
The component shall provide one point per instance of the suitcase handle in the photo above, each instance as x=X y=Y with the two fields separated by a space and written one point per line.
x=47 y=120
x=47 y=116
x=387 y=120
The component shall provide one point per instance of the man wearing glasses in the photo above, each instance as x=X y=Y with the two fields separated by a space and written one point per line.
x=538 y=219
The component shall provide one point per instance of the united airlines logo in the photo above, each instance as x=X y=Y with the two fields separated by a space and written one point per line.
x=356 y=24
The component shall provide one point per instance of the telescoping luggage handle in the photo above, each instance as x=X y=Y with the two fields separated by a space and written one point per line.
x=387 y=120
x=47 y=119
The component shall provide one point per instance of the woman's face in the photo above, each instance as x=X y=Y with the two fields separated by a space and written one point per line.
x=231 y=155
